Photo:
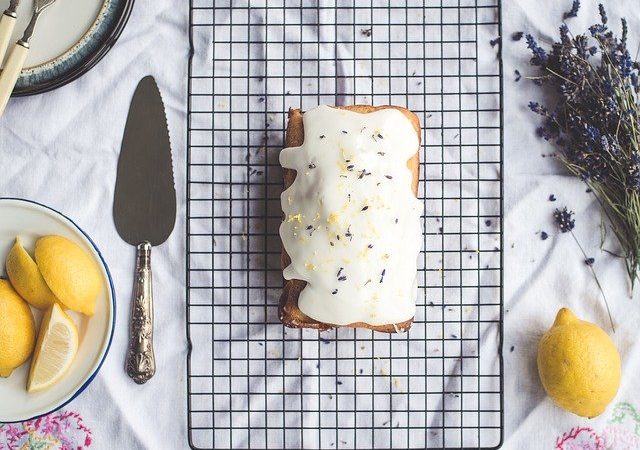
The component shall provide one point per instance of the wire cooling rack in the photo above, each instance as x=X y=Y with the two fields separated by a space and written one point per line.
x=253 y=383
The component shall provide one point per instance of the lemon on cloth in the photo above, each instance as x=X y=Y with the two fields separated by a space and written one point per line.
x=579 y=365
x=71 y=274
x=55 y=350
x=26 y=277
x=17 y=329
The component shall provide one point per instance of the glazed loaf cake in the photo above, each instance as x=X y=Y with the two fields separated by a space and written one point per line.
x=351 y=232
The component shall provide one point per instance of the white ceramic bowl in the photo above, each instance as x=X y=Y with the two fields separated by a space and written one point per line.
x=31 y=220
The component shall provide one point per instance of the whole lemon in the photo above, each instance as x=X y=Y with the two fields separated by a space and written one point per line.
x=71 y=274
x=26 y=277
x=579 y=365
x=17 y=330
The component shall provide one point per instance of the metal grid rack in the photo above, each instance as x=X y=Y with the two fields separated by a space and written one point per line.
x=251 y=382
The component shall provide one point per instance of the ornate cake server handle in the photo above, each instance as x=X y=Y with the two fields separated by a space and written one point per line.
x=141 y=363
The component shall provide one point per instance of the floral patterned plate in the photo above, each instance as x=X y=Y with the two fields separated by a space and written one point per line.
x=31 y=220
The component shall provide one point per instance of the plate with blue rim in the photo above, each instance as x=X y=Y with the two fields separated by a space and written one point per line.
x=31 y=220
x=71 y=37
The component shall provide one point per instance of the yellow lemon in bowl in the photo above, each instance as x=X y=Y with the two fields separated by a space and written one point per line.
x=26 y=278
x=17 y=330
x=579 y=365
x=71 y=274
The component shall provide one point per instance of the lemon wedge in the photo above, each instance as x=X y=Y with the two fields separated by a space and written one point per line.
x=26 y=277
x=71 y=274
x=56 y=348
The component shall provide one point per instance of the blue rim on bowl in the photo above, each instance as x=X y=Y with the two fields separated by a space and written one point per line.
x=113 y=308
x=82 y=57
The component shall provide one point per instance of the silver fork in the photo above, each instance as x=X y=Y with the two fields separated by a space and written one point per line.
x=15 y=62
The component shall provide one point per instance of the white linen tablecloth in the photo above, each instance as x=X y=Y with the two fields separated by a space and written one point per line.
x=61 y=149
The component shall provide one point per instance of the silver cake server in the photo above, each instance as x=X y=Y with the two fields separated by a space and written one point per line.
x=144 y=212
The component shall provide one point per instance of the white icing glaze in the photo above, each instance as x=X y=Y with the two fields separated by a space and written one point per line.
x=352 y=222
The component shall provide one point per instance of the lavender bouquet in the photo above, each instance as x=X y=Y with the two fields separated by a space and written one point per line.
x=596 y=121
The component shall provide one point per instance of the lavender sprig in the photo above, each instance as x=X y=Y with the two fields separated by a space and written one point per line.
x=564 y=219
x=566 y=223
x=596 y=122
x=573 y=12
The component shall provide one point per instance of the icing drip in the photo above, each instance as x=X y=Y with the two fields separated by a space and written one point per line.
x=352 y=222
